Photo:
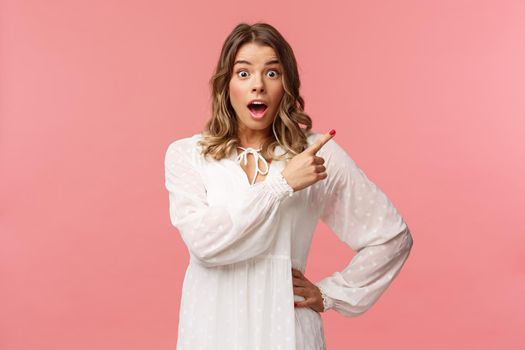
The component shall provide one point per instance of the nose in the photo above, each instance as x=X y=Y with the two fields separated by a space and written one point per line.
x=258 y=84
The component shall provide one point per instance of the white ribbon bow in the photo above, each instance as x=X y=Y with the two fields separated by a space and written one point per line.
x=244 y=156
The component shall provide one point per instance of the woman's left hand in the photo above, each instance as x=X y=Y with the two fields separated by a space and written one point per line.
x=303 y=287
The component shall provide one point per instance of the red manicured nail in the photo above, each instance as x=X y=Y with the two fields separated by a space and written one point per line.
x=332 y=132
x=295 y=304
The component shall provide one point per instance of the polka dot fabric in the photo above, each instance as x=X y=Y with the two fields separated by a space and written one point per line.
x=243 y=239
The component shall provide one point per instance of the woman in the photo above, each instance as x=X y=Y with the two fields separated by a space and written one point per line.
x=246 y=194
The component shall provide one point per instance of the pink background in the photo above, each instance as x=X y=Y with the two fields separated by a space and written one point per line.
x=428 y=97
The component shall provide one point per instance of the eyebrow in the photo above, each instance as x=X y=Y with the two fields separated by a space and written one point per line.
x=266 y=64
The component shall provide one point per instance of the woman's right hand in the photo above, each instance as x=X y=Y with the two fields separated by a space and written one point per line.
x=306 y=168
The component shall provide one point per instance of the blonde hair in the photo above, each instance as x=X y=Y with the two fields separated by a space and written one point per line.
x=220 y=133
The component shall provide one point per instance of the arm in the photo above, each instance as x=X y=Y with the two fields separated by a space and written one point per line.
x=220 y=235
x=362 y=216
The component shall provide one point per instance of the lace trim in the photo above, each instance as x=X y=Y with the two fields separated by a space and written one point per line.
x=327 y=302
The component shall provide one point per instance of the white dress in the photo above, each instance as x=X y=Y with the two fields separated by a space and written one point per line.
x=243 y=239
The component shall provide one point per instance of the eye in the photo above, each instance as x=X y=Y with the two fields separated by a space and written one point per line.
x=275 y=71
x=242 y=71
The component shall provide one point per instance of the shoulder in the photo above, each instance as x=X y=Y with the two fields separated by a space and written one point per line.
x=338 y=160
x=184 y=145
x=186 y=148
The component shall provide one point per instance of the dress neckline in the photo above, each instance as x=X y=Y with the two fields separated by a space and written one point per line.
x=243 y=157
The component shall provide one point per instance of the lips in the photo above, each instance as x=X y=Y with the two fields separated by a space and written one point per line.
x=257 y=110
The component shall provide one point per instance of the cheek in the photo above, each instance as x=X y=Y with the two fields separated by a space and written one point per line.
x=235 y=94
x=279 y=93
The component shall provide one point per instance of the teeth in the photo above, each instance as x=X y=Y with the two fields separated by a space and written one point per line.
x=257 y=102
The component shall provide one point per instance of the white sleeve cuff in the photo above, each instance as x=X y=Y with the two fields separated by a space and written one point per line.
x=278 y=186
x=328 y=303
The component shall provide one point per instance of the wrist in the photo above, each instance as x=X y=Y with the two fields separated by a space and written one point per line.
x=285 y=177
x=328 y=302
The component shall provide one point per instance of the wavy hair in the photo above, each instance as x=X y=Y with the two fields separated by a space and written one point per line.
x=291 y=125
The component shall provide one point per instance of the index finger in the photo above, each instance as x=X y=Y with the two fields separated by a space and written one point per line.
x=320 y=142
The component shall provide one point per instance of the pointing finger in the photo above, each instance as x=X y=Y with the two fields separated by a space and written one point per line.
x=320 y=142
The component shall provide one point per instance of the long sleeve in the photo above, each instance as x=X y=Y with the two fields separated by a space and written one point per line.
x=362 y=216
x=220 y=235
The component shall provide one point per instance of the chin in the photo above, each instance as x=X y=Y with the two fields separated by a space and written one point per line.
x=256 y=124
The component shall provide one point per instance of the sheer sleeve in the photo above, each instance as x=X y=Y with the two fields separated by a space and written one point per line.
x=362 y=216
x=220 y=235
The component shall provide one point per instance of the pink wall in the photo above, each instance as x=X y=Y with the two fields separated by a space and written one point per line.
x=427 y=96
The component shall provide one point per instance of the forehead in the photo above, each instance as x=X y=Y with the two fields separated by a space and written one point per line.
x=255 y=53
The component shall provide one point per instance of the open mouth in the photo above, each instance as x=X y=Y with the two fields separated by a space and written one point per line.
x=257 y=109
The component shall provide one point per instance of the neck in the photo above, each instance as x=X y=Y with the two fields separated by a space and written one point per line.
x=252 y=138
